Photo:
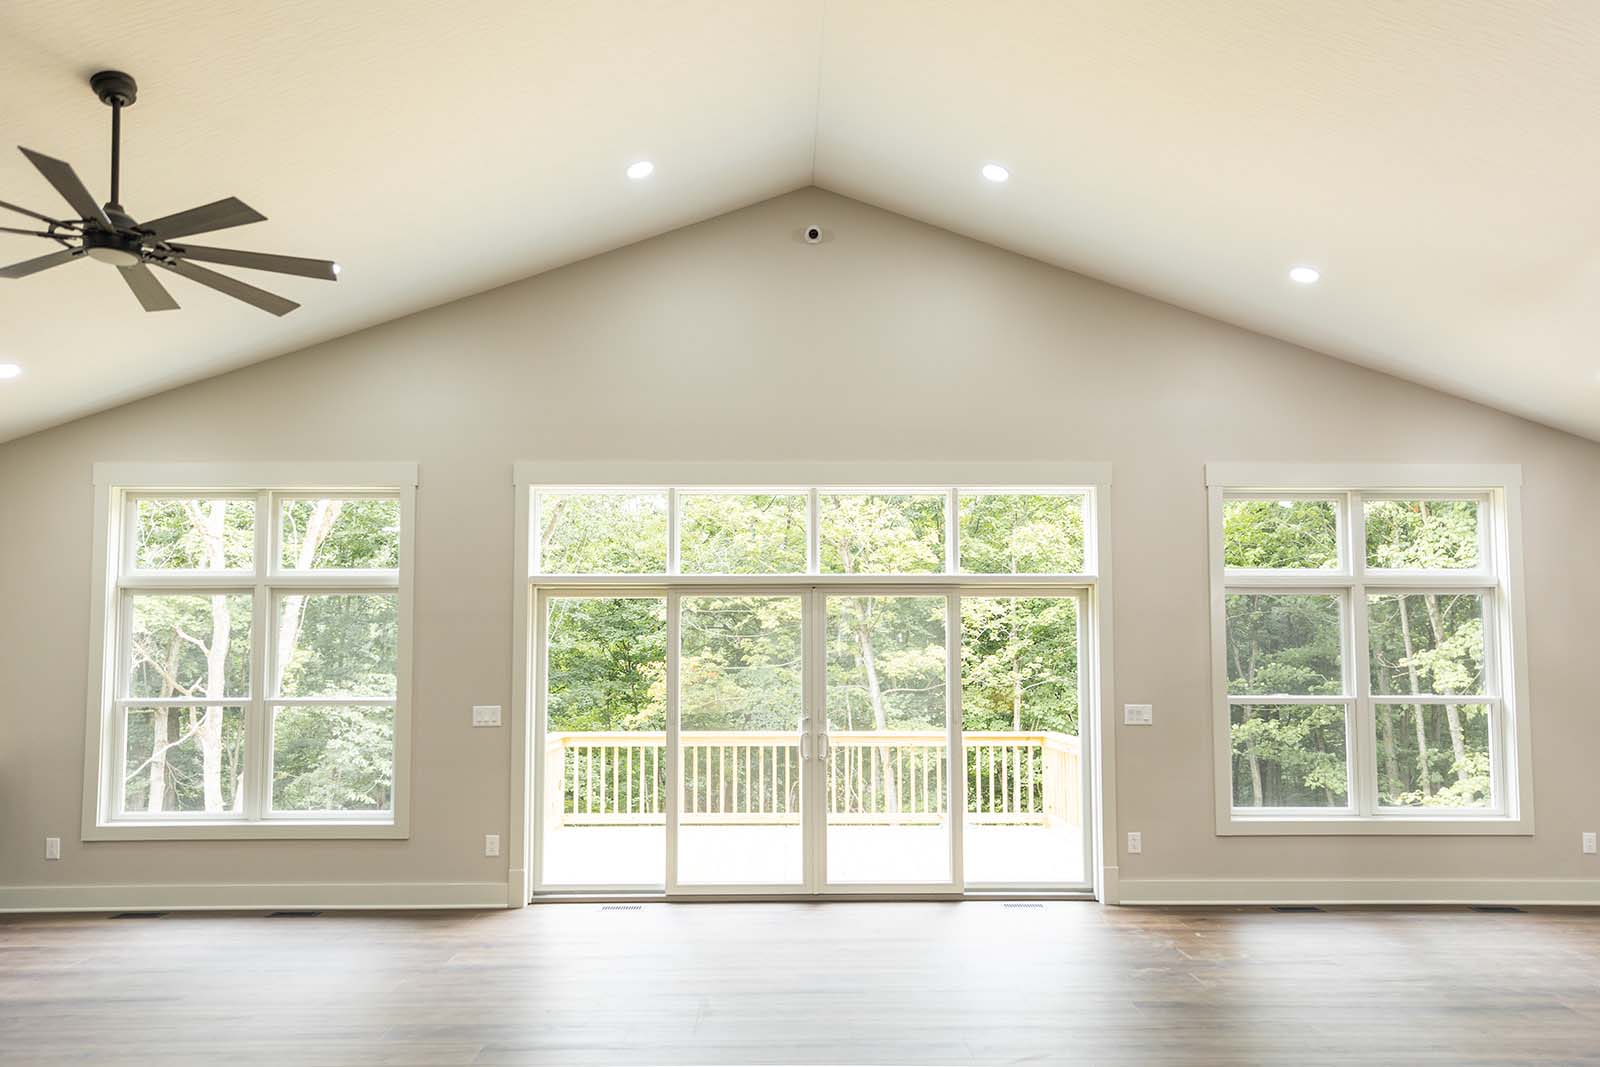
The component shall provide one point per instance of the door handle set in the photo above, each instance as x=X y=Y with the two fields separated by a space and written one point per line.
x=805 y=743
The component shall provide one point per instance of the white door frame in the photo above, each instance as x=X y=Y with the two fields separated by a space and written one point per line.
x=1097 y=724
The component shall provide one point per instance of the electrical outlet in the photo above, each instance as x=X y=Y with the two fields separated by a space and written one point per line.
x=491 y=844
x=52 y=848
x=1135 y=842
x=1589 y=843
x=1138 y=714
x=486 y=714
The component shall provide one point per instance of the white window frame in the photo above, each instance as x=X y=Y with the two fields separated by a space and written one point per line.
x=1093 y=588
x=116 y=487
x=1497 y=489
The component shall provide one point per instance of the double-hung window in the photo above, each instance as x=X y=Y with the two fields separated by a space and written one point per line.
x=252 y=674
x=1366 y=629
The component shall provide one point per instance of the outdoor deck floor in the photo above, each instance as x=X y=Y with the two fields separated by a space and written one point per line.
x=771 y=855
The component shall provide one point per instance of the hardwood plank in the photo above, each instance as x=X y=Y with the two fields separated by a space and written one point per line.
x=930 y=983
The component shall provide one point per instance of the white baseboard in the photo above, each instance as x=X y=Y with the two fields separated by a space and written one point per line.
x=1135 y=891
x=254 y=897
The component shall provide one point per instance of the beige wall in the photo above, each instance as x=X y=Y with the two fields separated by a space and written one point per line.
x=734 y=339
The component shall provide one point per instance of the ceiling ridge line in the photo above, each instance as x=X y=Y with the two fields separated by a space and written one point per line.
x=816 y=107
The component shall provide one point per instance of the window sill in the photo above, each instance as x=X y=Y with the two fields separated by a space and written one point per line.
x=275 y=829
x=1377 y=825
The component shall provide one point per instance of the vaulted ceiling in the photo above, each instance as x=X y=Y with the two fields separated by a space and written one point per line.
x=1438 y=160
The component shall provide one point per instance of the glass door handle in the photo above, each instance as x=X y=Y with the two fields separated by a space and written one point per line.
x=824 y=747
x=805 y=744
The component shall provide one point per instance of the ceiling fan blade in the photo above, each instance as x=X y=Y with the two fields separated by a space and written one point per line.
x=153 y=296
x=65 y=179
x=34 y=266
x=25 y=233
x=218 y=215
x=260 y=298
x=30 y=214
x=306 y=268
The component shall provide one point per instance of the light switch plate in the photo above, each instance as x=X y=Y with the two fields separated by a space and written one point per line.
x=1589 y=843
x=1135 y=842
x=486 y=714
x=1138 y=714
x=52 y=848
x=491 y=844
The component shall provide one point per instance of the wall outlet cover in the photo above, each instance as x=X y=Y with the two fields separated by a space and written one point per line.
x=491 y=844
x=1135 y=842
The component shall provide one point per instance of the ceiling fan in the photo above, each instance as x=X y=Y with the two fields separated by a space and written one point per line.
x=108 y=234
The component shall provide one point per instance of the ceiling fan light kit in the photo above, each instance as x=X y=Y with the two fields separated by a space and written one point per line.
x=106 y=233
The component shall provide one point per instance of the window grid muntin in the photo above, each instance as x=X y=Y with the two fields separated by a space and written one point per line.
x=263 y=582
x=1354 y=581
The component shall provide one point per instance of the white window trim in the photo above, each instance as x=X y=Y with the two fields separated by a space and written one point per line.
x=529 y=477
x=112 y=483
x=1499 y=486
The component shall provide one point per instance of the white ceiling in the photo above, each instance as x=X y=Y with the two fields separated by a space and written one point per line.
x=1438 y=159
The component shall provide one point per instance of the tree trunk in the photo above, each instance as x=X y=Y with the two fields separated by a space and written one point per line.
x=1246 y=676
x=323 y=515
x=160 y=738
x=1452 y=714
x=1425 y=778
x=880 y=714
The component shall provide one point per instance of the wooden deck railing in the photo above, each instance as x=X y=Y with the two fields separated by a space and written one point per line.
x=887 y=777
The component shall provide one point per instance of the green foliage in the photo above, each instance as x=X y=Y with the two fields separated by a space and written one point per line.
x=742 y=663
x=1426 y=643
x=1422 y=534
x=607 y=664
x=1419 y=644
x=872 y=533
x=332 y=758
x=725 y=533
x=174 y=647
x=364 y=534
x=1433 y=775
x=886 y=662
x=1019 y=663
x=182 y=769
x=184 y=534
x=1015 y=533
x=1265 y=534
x=1289 y=756
x=603 y=533
x=1283 y=643
x=199 y=645
x=341 y=644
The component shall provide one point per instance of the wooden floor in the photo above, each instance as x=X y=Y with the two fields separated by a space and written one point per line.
x=925 y=983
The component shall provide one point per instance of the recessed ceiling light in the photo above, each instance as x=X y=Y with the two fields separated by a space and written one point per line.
x=9 y=370
x=1304 y=275
x=641 y=170
x=995 y=172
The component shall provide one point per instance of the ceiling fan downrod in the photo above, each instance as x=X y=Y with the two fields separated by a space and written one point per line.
x=116 y=90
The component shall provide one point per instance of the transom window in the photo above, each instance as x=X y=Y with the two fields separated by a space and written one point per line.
x=810 y=531
x=254 y=665
x=1365 y=655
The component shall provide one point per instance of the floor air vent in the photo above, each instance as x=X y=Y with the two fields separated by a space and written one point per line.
x=622 y=907
x=1496 y=908
x=1023 y=904
x=141 y=915
x=293 y=914
x=1295 y=907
